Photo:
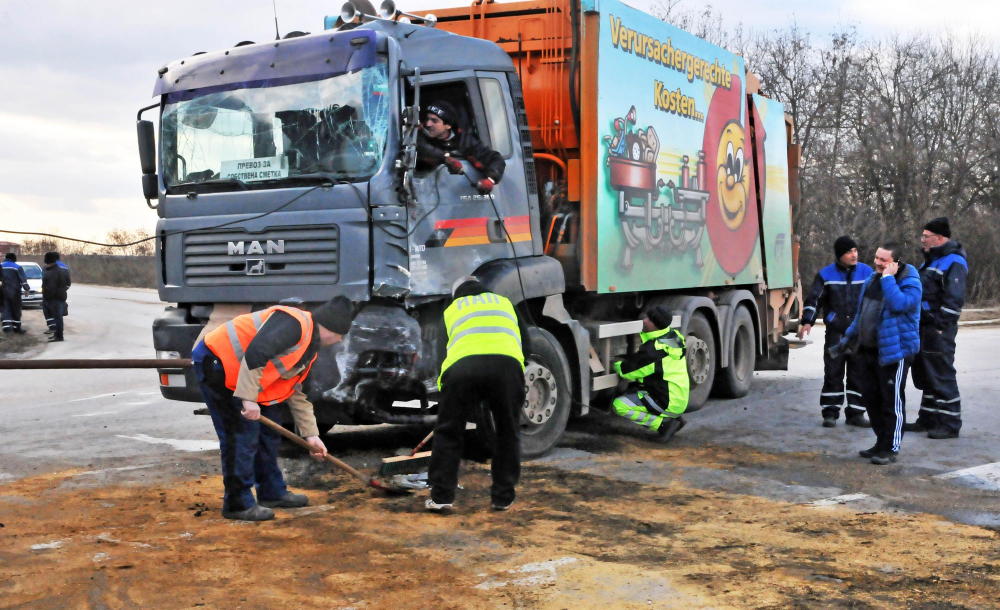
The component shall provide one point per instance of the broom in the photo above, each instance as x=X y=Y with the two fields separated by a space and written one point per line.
x=407 y=464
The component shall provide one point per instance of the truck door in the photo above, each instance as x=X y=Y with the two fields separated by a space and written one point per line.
x=458 y=229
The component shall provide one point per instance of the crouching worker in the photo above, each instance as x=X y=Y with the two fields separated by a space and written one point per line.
x=245 y=369
x=659 y=368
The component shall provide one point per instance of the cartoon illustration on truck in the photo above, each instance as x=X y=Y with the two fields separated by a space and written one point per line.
x=674 y=224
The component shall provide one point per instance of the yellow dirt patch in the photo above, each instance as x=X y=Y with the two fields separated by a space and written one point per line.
x=571 y=541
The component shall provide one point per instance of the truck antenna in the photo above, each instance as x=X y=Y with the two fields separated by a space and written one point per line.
x=277 y=36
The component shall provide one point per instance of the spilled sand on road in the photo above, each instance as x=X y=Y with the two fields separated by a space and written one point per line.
x=572 y=540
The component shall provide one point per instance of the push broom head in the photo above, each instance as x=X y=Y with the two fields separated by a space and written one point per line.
x=405 y=464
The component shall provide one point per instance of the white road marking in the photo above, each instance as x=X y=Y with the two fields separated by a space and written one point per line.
x=96 y=413
x=135 y=404
x=157 y=393
x=55 y=544
x=115 y=470
x=99 y=396
x=985 y=477
x=837 y=500
x=541 y=573
x=179 y=445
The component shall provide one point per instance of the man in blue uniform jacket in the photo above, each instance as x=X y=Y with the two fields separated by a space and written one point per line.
x=835 y=293
x=943 y=277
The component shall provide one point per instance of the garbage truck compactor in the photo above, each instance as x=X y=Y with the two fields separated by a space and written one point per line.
x=642 y=168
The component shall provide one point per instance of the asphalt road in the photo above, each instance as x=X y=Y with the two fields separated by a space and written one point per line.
x=116 y=422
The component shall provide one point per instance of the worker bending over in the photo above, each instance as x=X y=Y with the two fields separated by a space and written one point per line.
x=659 y=367
x=445 y=141
x=487 y=346
x=245 y=369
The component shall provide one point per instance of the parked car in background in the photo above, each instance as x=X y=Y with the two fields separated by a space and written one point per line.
x=34 y=274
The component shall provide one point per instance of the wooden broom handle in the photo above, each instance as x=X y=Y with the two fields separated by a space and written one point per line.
x=301 y=442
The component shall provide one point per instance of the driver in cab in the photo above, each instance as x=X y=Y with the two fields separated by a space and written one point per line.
x=443 y=141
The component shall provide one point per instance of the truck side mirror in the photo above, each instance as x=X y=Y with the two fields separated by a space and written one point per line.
x=150 y=188
x=147 y=146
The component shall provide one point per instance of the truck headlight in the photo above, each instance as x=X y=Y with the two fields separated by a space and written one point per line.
x=164 y=355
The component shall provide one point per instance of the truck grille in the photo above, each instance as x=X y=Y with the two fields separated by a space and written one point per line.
x=290 y=255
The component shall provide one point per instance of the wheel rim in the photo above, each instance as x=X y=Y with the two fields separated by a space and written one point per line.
x=699 y=359
x=541 y=395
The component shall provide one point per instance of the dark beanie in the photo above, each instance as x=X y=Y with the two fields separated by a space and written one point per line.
x=444 y=111
x=660 y=316
x=11 y=257
x=50 y=258
x=335 y=315
x=940 y=226
x=843 y=245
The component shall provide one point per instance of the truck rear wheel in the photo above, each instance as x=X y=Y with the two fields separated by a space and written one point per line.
x=547 y=403
x=734 y=380
x=701 y=359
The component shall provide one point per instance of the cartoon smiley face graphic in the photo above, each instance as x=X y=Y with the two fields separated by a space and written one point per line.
x=733 y=181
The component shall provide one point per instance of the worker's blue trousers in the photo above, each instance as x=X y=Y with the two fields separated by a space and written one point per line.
x=249 y=450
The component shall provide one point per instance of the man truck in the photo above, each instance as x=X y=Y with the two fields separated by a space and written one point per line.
x=643 y=167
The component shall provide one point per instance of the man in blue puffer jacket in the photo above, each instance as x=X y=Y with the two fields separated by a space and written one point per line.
x=885 y=336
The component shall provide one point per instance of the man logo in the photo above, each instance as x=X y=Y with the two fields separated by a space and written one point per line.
x=273 y=247
x=255 y=266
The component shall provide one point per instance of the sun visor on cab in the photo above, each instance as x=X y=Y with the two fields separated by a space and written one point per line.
x=304 y=57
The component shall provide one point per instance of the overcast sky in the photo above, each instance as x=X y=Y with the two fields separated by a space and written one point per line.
x=75 y=73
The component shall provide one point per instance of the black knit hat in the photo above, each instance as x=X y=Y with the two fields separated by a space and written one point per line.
x=335 y=315
x=660 y=316
x=843 y=245
x=50 y=258
x=10 y=257
x=445 y=111
x=940 y=226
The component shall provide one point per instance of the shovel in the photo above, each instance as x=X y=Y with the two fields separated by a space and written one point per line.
x=388 y=488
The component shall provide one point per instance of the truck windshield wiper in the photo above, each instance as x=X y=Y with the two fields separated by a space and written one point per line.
x=233 y=181
x=310 y=177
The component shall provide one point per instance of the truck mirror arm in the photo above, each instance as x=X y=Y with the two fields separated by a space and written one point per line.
x=411 y=127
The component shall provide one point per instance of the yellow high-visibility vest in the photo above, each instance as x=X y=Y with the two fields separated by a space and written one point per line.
x=481 y=324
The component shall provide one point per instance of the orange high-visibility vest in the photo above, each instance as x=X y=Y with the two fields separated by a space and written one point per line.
x=283 y=372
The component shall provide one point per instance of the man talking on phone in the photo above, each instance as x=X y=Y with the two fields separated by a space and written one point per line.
x=884 y=337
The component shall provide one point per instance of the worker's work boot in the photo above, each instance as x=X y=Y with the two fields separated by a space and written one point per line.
x=669 y=428
x=942 y=433
x=914 y=427
x=500 y=506
x=56 y=339
x=858 y=421
x=884 y=457
x=434 y=507
x=829 y=422
x=289 y=500
x=254 y=513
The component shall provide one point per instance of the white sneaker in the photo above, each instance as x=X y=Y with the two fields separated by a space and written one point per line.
x=433 y=506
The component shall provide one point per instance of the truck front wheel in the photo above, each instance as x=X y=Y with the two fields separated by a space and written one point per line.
x=547 y=403
x=701 y=359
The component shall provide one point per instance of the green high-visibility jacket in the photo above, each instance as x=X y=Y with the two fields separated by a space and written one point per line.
x=481 y=324
x=660 y=366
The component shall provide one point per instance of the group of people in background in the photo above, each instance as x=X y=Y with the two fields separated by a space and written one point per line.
x=880 y=324
x=14 y=284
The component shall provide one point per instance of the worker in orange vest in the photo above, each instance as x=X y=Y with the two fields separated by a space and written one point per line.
x=246 y=368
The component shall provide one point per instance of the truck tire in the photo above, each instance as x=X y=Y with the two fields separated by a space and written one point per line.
x=734 y=380
x=701 y=359
x=548 y=403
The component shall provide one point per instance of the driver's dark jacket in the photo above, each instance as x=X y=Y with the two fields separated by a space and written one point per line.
x=463 y=146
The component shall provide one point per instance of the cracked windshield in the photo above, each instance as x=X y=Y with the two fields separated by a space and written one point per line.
x=273 y=133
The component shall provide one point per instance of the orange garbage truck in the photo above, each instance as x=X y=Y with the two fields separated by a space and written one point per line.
x=643 y=168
